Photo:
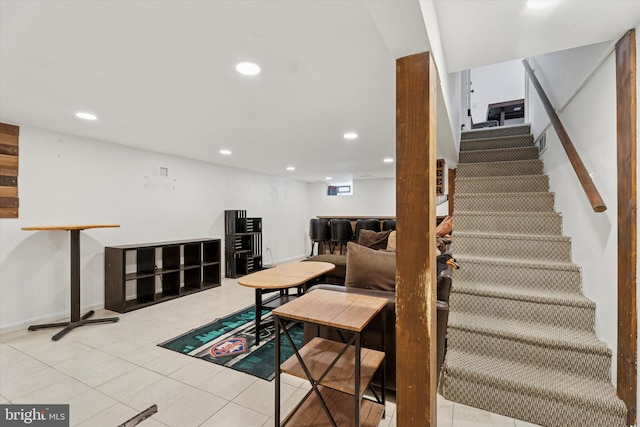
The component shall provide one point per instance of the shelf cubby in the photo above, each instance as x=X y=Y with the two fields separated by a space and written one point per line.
x=159 y=272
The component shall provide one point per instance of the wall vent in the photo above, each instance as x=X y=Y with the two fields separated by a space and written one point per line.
x=541 y=143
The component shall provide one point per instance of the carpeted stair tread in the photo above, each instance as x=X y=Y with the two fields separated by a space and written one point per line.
x=533 y=380
x=511 y=202
x=494 y=184
x=549 y=297
x=498 y=155
x=493 y=132
x=503 y=168
x=496 y=142
x=545 y=335
x=546 y=223
x=522 y=263
x=549 y=238
x=520 y=246
x=553 y=346
x=541 y=275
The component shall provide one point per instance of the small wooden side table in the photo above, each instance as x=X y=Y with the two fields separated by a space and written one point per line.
x=76 y=319
x=339 y=372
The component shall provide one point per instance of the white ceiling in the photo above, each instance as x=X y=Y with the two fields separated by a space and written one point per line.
x=160 y=74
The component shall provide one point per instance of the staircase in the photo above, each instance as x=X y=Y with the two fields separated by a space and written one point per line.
x=521 y=338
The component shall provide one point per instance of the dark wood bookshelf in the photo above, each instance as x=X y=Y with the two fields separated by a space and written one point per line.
x=182 y=267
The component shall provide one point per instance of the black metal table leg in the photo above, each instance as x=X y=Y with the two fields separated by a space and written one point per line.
x=258 y=314
x=76 y=319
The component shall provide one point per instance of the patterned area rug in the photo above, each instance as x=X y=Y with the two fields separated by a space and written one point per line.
x=229 y=341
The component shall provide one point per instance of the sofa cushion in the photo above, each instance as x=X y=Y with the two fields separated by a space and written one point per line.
x=340 y=261
x=370 y=269
x=373 y=239
x=391 y=242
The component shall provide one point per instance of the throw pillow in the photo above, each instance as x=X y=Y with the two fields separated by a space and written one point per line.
x=370 y=269
x=373 y=239
x=445 y=227
x=391 y=242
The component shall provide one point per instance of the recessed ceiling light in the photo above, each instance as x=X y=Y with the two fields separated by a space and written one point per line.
x=388 y=160
x=225 y=152
x=290 y=168
x=248 y=68
x=350 y=135
x=328 y=178
x=540 y=4
x=86 y=116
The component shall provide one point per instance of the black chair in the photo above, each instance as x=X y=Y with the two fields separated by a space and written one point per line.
x=341 y=233
x=388 y=224
x=319 y=232
x=366 y=224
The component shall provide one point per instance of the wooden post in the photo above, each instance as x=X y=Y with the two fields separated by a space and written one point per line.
x=416 y=341
x=627 y=222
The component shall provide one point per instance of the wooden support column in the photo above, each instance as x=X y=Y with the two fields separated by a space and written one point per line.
x=627 y=222
x=416 y=341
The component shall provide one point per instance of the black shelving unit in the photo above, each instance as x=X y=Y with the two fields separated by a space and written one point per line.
x=243 y=244
x=159 y=272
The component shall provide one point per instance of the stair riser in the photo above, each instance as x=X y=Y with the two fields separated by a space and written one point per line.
x=515 y=276
x=517 y=202
x=508 y=224
x=496 y=132
x=528 y=184
x=574 y=361
x=526 y=311
x=496 y=143
x=545 y=411
x=504 y=155
x=514 y=248
x=529 y=167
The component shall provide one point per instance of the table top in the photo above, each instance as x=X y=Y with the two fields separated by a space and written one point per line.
x=69 y=227
x=287 y=275
x=334 y=309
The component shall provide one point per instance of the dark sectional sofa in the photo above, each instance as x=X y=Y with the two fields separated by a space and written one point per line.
x=371 y=272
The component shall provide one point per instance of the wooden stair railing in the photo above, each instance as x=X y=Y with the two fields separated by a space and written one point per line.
x=583 y=176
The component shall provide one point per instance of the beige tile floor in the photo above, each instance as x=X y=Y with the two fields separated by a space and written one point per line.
x=108 y=373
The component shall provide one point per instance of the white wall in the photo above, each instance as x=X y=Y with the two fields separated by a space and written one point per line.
x=495 y=83
x=70 y=180
x=371 y=197
x=590 y=120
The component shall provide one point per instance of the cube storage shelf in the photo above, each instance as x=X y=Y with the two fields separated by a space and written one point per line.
x=243 y=244
x=159 y=271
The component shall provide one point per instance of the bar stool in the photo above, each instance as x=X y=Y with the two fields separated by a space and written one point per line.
x=388 y=224
x=319 y=232
x=341 y=233
x=367 y=224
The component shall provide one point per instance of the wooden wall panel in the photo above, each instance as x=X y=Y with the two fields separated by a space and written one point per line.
x=9 y=161
x=627 y=222
x=416 y=332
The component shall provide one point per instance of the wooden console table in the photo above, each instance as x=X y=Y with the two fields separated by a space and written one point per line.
x=339 y=373
x=76 y=319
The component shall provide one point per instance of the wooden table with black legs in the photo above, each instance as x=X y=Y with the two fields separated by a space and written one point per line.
x=281 y=278
x=76 y=320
